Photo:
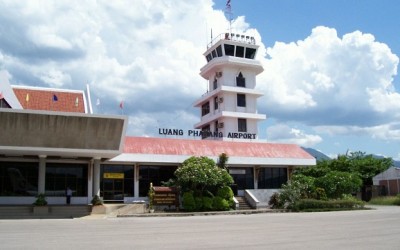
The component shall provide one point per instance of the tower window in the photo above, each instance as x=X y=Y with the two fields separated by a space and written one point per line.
x=240 y=80
x=250 y=53
x=215 y=83
x=241 y=100
x=205 y=109
x=239 y=51
x=229 y=50
x=242 y=125
x=219 y=51
x=216 y=103
x=206 y=131
x=208 y=57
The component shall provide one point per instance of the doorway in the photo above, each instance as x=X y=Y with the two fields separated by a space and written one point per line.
x=113 y=190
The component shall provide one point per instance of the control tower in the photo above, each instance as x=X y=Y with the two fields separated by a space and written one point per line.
x=229 y=108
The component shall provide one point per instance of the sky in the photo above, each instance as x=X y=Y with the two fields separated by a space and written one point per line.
x=330 y=67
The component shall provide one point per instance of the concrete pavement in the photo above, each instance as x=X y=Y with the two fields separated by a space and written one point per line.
x=364 y=229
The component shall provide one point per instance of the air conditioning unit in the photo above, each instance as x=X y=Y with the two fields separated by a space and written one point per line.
x=220 y=125
x=221 y=100
x=218 y=74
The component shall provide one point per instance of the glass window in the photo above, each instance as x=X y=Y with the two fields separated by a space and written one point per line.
x=219 y=51
x=214 y=54
x=119 y=183
x=250 y=53
x=242 y=125
x=229 y=50
x=19 y=178
x=205 y=130
x=205 y=109
x=208 y=57
x=216 y=102
x=241 y=100
x=59 y=176
x=242 y=177
x=240 y=80
x=272 y=178
x=215 y=83
x=155 y=175
x=239 y=51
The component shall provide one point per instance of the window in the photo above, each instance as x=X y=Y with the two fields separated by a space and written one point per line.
x=219 y=51
x=205 y=109
x=155 y=175
x=215 y=83
x=229 y=50
x=206 y=130
x=214 y=54
x=250 y=53
x=242 y=125
x=241 y=100
x=239 y=51
x=240 y=80
x=216 y=126
x=19 y=178
x=272 y=177
x=208 y=57
x=59 y=176
x=216 y=103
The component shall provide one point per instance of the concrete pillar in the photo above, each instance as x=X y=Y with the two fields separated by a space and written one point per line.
x=90 y=181
x=42 y=174
x=96 y=177
x=136 y=180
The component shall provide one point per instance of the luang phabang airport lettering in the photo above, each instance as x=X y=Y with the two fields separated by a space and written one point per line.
x=199 y=133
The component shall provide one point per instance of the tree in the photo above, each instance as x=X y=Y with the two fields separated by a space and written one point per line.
x=200 y=174
x=222 y=160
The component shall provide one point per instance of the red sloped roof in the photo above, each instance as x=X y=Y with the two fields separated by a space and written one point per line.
x=164 y=146
x=42 y=99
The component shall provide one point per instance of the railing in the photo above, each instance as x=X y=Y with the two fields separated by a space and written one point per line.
x=233 y=37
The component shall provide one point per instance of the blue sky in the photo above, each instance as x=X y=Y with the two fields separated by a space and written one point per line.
x=330 y=66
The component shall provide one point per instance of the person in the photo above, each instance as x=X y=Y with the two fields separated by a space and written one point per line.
x=69 y=194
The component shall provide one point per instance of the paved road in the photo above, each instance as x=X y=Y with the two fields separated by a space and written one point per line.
x=368 y=229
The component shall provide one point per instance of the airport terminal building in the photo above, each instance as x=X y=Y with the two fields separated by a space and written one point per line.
x=50 y=139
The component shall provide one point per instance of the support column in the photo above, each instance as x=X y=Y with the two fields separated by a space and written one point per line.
x=90 y=181
x=136 y=181
x=96 y=177
x=42 y=174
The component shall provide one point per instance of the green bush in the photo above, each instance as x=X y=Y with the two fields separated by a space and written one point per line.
x=386 y=200
x=96 y=201
x=188 y=201
x=275 y=201
x=220 y=204
x=40 y=200
x=227 y=194
x=327 y=205
x=199 y=203
x=207 y=203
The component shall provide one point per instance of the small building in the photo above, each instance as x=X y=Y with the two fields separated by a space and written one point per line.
x=389 y=181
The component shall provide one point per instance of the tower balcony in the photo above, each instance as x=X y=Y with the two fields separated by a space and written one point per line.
x=217 y=114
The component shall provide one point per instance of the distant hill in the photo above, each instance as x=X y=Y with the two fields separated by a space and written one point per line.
x=318 y=155
x=321 y=156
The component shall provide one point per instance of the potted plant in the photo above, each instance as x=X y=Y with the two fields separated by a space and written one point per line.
x=40 y=205
x=151 y=197
x=97 y=205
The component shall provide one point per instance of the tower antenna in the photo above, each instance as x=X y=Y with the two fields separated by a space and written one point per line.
x=228 y=11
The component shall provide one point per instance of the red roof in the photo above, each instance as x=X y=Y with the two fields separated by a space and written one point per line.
x=42 y=99
x=164 y=146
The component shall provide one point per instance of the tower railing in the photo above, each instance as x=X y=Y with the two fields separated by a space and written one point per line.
x=233 y=37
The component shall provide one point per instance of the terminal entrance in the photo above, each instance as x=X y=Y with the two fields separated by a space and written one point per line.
x=113 y=190
x=243 y=179
x=116 y=182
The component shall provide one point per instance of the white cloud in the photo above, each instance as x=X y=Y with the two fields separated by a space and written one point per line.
x=325 y=79
x=286 y=134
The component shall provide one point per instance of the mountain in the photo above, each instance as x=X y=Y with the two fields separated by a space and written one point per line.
x=317 y=154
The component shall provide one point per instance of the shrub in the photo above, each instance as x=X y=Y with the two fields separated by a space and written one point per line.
x=188 y=201
x=96 y=201
x=275 y=201
x=336 y=183
x=220 y=204
x=227 y=194
x=386 y=200
x=329 y=205
x=207 y=203
x=199 y=203
x=40 y=200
